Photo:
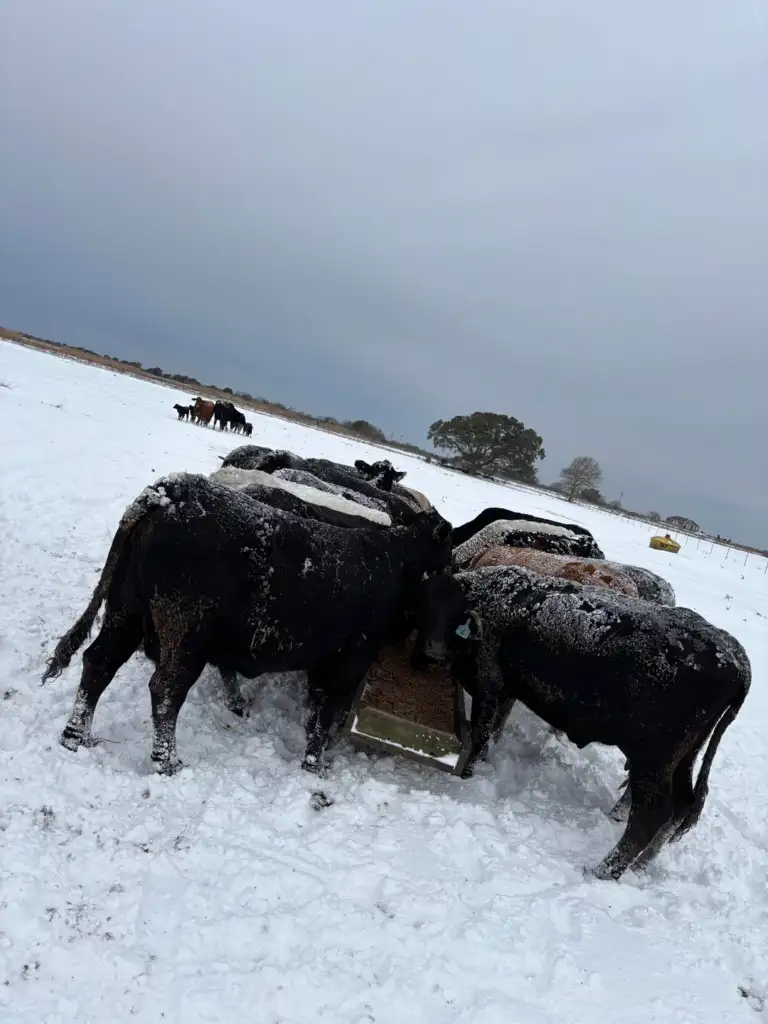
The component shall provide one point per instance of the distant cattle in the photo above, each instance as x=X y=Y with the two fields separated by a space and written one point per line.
x=654 y=681
x=237 y=422
x=226 y=415
x=221 y=413
x=202 y=411
x=248 y=429
x=200 y=573
x=525 y=533
x=462 y=533
x=589 y=571
x=183 y=411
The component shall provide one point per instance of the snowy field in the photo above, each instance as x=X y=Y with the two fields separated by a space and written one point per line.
x=221 y=895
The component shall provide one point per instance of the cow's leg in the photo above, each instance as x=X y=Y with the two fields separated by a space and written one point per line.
x=489 y=700
x=170 y=683
x=485 y=711
x=332 y=687
x=230 y=692
x=652 y=811
x=620 y=810
x=682 y=793
x=503 y=711
x=118 y=639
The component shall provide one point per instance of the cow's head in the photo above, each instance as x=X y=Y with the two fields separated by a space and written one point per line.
x=381 y=474
x=447 y=628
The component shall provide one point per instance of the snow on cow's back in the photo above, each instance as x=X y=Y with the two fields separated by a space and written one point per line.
x=584 y=617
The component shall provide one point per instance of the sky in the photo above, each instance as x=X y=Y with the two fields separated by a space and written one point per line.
x=406 y=211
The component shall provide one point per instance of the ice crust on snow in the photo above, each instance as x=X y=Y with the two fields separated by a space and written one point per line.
x=221 y=895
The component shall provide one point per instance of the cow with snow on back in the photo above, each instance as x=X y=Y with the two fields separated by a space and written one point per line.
x=654 y=681
x=525 y=533
x=199 y=573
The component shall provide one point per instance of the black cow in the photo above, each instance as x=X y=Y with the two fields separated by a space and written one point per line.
x=384 y=475
x=248 y=429
x=654 y=681
x=223 y=413
x=462 y=533
x=381 y=474
x=183 y=411
x=348 y=480
x=523 y=533
x=200 y=573
x=237 y=421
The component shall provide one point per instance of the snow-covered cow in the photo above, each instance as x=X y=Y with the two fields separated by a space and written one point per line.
x=399 y=507
x=199 y=573
x=654 y=681
x=312 y=491
x=491 y=515
x=526 y=533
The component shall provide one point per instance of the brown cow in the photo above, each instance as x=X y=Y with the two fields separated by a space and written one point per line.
x=589 y=571
x=202 y=411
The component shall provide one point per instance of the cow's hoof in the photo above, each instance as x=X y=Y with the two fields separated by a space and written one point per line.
x=312 y=765
x=602 y=873
x=320 y=801
x=71 y=740
x=467 y=773
x=168 y=765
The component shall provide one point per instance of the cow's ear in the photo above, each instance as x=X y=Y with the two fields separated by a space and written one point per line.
x=399 y=475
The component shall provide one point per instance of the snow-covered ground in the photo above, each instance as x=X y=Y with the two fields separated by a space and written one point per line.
x=221 y=895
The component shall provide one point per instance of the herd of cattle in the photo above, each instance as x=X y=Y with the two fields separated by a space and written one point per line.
x=223 y=414
x=276 y=563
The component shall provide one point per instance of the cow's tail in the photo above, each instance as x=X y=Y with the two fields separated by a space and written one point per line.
x=702 y=782
x=74 y=639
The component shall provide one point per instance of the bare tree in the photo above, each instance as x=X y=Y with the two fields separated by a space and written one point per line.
x=584 y=472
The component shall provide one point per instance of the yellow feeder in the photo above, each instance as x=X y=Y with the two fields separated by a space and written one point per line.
x=664 y=544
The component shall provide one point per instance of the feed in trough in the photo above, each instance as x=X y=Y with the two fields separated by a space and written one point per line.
x=420 y=715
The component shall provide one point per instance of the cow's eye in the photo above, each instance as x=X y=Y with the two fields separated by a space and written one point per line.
x=464 y=630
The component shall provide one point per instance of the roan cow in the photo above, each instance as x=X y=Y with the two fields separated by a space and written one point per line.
x=656 y=682
x=200 y=573
x=593 y=572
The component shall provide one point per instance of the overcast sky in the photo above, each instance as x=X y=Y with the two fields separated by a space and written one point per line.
x=407 y=210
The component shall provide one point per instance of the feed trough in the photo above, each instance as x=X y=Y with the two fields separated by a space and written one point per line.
x=423 y=716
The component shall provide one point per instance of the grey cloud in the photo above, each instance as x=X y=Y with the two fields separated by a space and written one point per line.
x=404 y=211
